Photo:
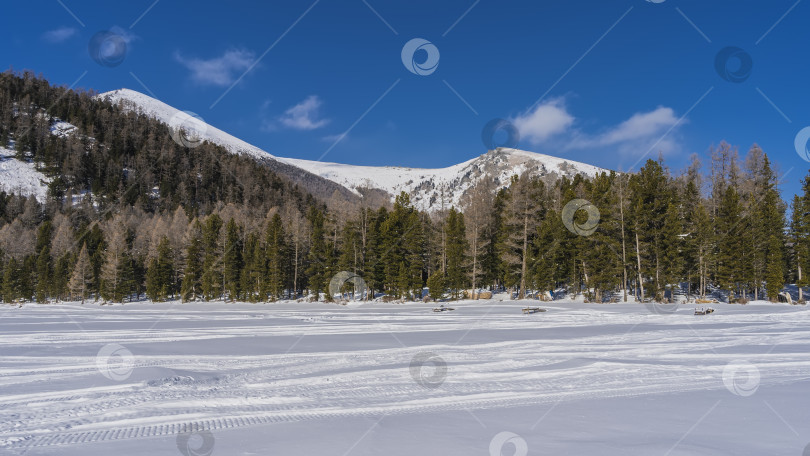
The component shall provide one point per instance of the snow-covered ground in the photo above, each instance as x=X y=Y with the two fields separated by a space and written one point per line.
x=399 y=379
x=21 y=177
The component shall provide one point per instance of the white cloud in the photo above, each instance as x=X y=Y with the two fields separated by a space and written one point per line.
x=547 y=120
x=640 y=126
x=304 y=115
x=335 y=138
x=58 y=35
x=551 y=124
x=218 y=71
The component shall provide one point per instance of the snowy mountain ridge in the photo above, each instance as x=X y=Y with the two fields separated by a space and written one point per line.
x=429 y=188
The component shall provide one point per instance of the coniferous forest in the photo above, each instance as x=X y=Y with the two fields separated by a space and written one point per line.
x=131 y=214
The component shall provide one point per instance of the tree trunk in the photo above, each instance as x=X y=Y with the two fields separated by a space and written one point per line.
x=525 y=250
x=638 y=258
x=624 y=248
x=475 y=258
x=799 y=269
x=295 y=273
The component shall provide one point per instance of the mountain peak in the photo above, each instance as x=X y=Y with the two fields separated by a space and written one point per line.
x=152 y=107
x=430 y=189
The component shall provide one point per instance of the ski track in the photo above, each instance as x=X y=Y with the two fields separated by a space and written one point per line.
x=566 y=354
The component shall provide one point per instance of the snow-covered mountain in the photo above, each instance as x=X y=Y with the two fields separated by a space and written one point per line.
x=427 y=187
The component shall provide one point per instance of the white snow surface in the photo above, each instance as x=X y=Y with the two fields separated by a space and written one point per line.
x=317 y=378
x=157 y=109
x=424 y=185
x=62 y=128
x=21 y=177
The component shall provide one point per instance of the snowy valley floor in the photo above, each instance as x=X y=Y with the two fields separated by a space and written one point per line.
x=324 y=379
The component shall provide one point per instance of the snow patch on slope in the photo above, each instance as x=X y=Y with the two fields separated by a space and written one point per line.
x=62 y=129
x=21 y=177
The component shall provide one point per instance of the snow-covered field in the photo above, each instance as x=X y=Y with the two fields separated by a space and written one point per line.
x=399 y=379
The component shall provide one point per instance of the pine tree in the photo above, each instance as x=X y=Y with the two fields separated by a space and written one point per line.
x=276 y=251
x=11 y=280
x=728 y=243
x=211 y=279
x=232 y=260
x=191 y=288
x=436 y=285
x=375 y=269
x=297 y=231
x=44 y=267
x=319 y=255
x=457 y=248
x=159 y=274
x=652 y=208
x=253 y=269
x=404 y=247
x=771 y=212
x=799 y=237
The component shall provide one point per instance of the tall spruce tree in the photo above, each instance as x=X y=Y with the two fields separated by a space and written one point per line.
x=652 y=210
x=457 y=247
x=191 y=288
x=275 y=259
x=729 y=218
x=212 y=281
x=159 y=274
x=232 y=261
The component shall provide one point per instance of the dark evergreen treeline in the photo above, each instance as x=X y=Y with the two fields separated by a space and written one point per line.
x=133 y=214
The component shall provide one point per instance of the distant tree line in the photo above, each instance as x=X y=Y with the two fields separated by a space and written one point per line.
x=132 y=214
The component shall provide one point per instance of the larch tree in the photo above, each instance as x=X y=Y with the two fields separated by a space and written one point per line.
x=520 y=222
x=116 y=272
x=82 y=277
x=477 y=204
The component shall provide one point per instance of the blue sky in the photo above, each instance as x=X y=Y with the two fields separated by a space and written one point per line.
x=603 y=82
